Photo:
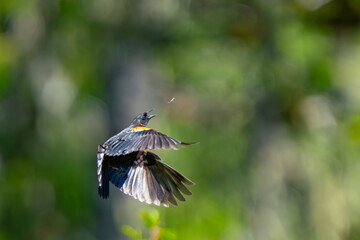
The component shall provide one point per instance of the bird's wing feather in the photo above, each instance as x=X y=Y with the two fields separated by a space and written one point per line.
x=102 y=172
x=140 y=139
x=152 y=181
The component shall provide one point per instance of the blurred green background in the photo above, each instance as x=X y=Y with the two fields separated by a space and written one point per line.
x=270 y=88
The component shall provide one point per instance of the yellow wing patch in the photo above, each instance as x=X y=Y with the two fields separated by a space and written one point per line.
x=138 y=129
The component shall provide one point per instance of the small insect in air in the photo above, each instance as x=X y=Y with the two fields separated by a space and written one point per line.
x=172 y=100
x=125 y=161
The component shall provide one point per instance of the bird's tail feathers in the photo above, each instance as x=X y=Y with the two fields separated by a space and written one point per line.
x=155 y=183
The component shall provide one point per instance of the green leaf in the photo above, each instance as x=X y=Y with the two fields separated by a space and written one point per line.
x=131 y=232
x=151 y=218
x=167 y=234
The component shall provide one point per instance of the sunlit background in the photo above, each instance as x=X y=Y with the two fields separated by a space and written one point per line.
x=270 y=89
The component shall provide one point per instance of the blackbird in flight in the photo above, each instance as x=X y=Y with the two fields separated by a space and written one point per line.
x=124 y=160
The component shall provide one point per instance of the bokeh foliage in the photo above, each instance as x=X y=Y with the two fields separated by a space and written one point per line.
x=269 y=88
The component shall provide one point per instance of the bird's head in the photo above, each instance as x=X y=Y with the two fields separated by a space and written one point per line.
x=142 y=119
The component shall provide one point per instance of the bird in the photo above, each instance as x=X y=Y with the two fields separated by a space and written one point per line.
x=126 y=162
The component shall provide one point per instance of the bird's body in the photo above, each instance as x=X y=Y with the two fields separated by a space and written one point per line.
x=125 y=160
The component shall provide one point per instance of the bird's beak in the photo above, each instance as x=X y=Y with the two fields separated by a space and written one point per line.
x=149 y=116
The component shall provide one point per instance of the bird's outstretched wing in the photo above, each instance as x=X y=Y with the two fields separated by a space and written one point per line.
x=147 y=179
x=140 y=139
x=113 y=169
x=102 y=172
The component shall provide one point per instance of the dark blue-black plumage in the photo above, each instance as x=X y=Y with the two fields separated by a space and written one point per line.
x=125 y=161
